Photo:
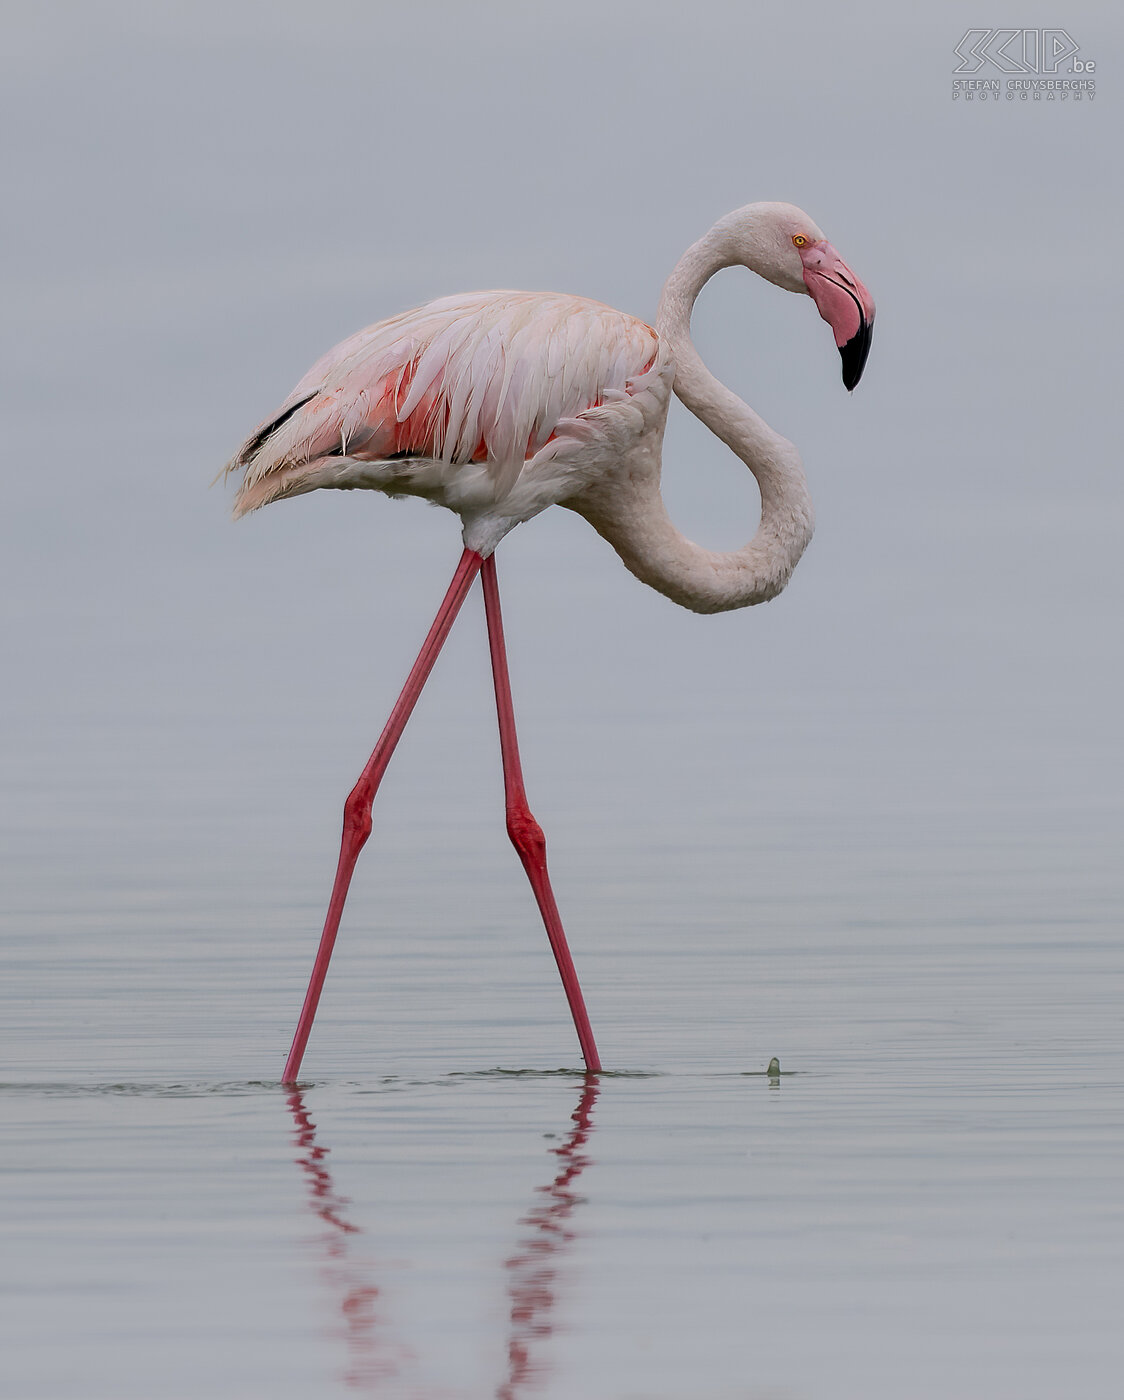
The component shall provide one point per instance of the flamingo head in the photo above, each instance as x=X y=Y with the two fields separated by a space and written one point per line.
x=783 y=245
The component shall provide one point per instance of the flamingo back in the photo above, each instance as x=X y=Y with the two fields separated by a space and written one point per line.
x=480 y=378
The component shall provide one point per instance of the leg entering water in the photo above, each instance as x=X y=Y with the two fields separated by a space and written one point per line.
x=357 y=808
x=526 y=834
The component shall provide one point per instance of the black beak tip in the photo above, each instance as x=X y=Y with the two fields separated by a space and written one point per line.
x=854 y=354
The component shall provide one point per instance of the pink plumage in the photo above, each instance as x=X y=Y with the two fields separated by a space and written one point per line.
x=484 y=378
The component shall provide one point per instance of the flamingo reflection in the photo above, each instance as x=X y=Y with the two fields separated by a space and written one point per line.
x=534 y=1267
x=373 y=1360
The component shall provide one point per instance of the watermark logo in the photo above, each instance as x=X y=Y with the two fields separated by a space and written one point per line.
x=1049 y=54
x=1018 y=51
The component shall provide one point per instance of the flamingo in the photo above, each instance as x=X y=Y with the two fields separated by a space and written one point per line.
x=499 y=404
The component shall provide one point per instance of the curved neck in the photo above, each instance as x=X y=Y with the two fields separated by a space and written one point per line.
x=642 y=532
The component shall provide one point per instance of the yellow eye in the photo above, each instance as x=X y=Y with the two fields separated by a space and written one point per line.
x=799 y=240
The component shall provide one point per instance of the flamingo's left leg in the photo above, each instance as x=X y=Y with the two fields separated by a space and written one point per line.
x=357 y=809
x=526 y=834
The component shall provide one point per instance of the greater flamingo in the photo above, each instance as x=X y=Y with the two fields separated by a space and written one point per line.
x=499 y=404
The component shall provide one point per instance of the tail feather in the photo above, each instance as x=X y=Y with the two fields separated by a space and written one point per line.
x=273 y=486
x=257 y=441
x=281 y=450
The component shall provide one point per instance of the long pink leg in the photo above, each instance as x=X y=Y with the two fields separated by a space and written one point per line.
x=357 y=808
x=526 y=834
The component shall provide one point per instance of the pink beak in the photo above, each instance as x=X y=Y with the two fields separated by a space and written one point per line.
x=843 y=302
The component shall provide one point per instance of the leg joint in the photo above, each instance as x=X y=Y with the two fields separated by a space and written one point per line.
x=357 y=814
x=526 y=834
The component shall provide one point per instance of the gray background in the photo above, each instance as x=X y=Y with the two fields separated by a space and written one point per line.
x=203 y=198
x=873 y=827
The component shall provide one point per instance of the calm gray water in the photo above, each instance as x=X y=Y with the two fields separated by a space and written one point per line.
x=925 y=1203
x=873 y=829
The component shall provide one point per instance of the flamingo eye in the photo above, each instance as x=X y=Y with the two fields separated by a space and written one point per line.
x=799 y=240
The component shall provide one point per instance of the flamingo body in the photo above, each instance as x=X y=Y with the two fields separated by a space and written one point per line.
x=494 y=404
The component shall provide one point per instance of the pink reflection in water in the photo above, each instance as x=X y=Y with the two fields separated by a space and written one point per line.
x=534 y=1268
x=374 y=1360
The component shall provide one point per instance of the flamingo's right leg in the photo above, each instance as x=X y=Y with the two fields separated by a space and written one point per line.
x=526 y=834
x=357 y=808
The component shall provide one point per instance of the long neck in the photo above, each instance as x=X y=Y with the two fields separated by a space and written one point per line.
x=642 y=532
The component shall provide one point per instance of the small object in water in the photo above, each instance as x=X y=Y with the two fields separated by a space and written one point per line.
x=774 y=1069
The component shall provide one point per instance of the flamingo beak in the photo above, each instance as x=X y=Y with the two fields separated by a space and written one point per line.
x=843 y=302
